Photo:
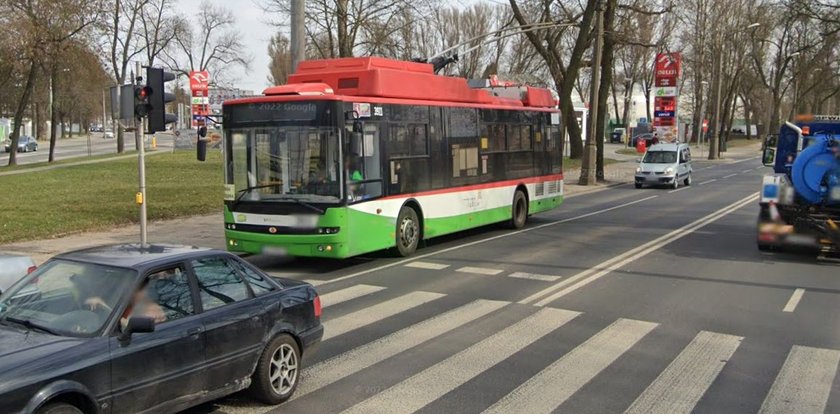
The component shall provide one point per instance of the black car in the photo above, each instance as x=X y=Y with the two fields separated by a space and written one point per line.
x=125 y=329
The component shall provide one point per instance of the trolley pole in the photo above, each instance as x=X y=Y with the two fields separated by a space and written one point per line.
x=587 y=172
x=298 y=34
x=140 y=198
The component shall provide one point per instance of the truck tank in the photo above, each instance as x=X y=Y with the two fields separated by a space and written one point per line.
x=815 y=173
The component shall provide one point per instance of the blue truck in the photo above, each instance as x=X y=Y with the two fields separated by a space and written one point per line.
x=800 y=201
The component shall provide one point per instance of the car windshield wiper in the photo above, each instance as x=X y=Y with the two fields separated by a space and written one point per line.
x=26 y=323
x=247 y=190
x=303 y=203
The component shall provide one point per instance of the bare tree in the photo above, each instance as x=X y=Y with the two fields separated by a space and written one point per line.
x=211 y=44
x=39 y=29
x=281 y=63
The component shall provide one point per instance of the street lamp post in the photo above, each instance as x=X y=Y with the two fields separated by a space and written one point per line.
x=699 y=127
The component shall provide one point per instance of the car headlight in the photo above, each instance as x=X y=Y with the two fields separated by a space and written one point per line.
x=669 y=171
x=638 y=169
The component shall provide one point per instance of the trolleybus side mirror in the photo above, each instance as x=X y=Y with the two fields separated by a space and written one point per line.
x=356 y=143
x=201 y=144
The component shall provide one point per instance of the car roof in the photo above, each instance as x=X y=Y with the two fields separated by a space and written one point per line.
x=135 y=256
x=665 y=146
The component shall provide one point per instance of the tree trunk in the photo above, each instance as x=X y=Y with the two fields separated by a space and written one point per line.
x=21 y=107
x=607 y=58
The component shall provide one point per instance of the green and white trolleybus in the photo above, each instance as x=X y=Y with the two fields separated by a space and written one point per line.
x=356 y=155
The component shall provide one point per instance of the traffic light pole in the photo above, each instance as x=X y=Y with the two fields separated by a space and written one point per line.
x=140 y=198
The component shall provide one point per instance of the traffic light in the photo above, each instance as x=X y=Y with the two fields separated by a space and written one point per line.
x=141 y=101
x=157 y=97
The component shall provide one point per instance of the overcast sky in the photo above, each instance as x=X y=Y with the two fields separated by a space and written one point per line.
x=253 y=25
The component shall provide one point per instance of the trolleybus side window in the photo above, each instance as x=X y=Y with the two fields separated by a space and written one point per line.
x=362 y=166
x=409 y=160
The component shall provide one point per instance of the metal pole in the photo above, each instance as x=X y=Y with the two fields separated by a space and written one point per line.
x=298 y=34
x=703 y=100
x=714 y=139
x=141 y=168
x=104 y=114
x=587 y=173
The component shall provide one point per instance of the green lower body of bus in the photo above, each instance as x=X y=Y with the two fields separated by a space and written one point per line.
x=361 y=232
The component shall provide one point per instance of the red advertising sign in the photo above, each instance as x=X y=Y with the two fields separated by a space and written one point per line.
x=199 y=80
x=668 y=65
x=665 y=82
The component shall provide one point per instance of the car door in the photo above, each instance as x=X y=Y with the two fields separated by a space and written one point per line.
x=165 y=366
x=232 y=320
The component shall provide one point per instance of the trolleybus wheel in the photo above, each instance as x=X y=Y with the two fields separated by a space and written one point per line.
x=519 y=210
x=408 y=231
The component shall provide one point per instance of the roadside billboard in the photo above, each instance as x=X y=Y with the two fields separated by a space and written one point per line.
x=667 y=69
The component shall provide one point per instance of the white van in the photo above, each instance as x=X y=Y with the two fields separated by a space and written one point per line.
x=665 y=165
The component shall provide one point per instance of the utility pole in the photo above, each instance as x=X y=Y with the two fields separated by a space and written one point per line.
x=587 y=171
x=140 y=198
x=298 y=34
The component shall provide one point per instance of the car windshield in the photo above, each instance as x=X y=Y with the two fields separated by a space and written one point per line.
x=660 y=157
x=284 y=162
x=66 y=298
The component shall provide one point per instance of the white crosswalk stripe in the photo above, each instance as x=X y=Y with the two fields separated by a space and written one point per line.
x=535 y=276
x=375 y=313
x=456 y=370
x=479 y=270
x=427 y=265
x=355 y=360
x=344 y=295
x=552 y=386
x=686 y=379
x=804 y=382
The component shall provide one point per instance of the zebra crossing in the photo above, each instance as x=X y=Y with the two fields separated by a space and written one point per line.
x=803 y=384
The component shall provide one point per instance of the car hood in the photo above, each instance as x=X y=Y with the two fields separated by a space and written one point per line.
x=656 y=167
x=19 y=347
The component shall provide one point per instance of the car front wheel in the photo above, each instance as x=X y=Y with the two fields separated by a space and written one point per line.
x=278 y=370
x=687 y=181
x=59 y=408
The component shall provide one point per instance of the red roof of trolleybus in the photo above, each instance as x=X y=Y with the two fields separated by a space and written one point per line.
x=389 y=81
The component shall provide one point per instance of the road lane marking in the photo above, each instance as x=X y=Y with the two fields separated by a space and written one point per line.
x=341 y=366
x=313 y=282
x=794 y=300
x=343 y=295
x=748 y=170
x=709 y=181
x=427 y=265
x=680 y=386
x=432 y=383
x=760 y=167
x=497 y=237
x=729 y=176
x=552 y=386
x=535 y=276
x=585 y=277
x=479 y=270
x=804 y=382
x=678 y=190
x=376 y=313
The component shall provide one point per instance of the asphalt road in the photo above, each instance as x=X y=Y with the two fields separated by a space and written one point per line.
x=624 y=300
x=77 y=147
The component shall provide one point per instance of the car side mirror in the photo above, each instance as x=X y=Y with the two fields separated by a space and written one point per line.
x=137 y=324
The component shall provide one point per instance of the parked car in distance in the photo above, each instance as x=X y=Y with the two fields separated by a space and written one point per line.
x=617 y=136
x=665 y=165
x=12 y=268
x=161 y=328
x=108 y=134
x=25 y=144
